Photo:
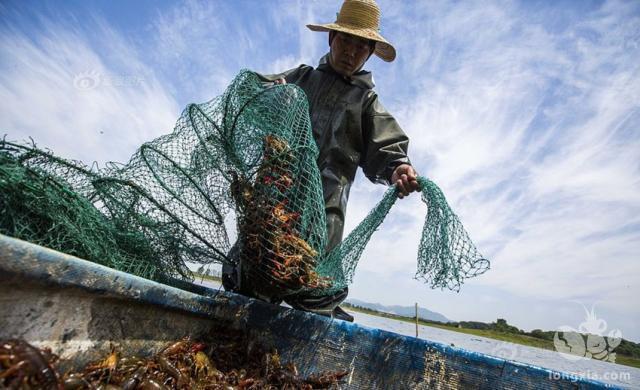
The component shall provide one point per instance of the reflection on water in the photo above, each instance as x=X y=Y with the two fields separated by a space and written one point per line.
x=607 y=372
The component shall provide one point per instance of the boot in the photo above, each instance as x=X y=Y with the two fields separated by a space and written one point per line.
x=340 y=314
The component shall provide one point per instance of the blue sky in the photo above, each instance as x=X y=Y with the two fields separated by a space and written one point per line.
x=527 y=114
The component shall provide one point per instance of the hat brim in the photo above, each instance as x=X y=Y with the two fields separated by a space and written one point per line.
x=383 y=49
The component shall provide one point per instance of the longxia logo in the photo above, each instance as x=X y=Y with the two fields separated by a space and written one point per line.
x=588 y=341
x=507 y=351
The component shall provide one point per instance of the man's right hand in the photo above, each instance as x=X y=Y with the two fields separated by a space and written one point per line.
x=280 y=81
x=406 y=179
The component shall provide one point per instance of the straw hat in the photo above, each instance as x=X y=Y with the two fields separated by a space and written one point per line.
x=360 y=18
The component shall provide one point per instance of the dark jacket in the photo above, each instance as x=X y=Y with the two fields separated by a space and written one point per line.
x=351 y=129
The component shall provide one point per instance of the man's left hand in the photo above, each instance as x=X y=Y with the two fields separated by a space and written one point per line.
x=406 y=179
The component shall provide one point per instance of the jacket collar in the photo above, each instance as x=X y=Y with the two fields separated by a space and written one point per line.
x=361 y=78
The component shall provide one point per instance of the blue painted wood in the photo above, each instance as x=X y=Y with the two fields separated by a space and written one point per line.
x=373 y=357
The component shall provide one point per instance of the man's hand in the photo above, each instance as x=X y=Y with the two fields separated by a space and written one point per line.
x=280 y=81
x=405 y=177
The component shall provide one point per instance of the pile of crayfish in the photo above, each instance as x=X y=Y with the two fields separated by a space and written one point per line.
x=272 y=244
x=23 y=366
x=181 y=365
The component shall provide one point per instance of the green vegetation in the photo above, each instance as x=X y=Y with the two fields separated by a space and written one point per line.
x=206 y=276
x=627 y=353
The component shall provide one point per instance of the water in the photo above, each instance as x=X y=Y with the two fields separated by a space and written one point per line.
x=616 y=374
x=593 y=369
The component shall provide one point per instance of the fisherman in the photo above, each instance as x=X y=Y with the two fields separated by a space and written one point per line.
x=350 y=127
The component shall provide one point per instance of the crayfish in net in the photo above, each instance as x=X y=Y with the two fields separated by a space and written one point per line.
x=272 y=248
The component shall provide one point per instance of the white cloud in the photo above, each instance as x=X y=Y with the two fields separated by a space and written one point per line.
x=201 y=46
x=532 y=134
x=59 y=89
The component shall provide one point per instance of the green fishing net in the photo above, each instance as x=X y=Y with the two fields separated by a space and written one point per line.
x=246 y=158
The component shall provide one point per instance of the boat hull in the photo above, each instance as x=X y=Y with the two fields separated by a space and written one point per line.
x=79 y=309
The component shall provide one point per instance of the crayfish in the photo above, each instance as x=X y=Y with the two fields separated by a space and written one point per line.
x=230 y=362
x=25 y=366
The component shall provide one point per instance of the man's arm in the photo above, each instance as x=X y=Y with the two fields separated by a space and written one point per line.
x=385 y=147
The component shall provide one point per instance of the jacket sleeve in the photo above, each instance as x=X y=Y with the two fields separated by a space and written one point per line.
x=385 y=145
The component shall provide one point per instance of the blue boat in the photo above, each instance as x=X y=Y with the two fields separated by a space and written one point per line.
x=78 y=309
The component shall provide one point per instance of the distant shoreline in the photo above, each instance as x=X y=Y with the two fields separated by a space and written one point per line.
x=206 y=277
x=516 y=338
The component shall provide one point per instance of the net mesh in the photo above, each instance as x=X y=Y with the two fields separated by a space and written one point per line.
x=247 y=156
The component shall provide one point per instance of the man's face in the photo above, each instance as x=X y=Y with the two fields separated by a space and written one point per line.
x=348 y=53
